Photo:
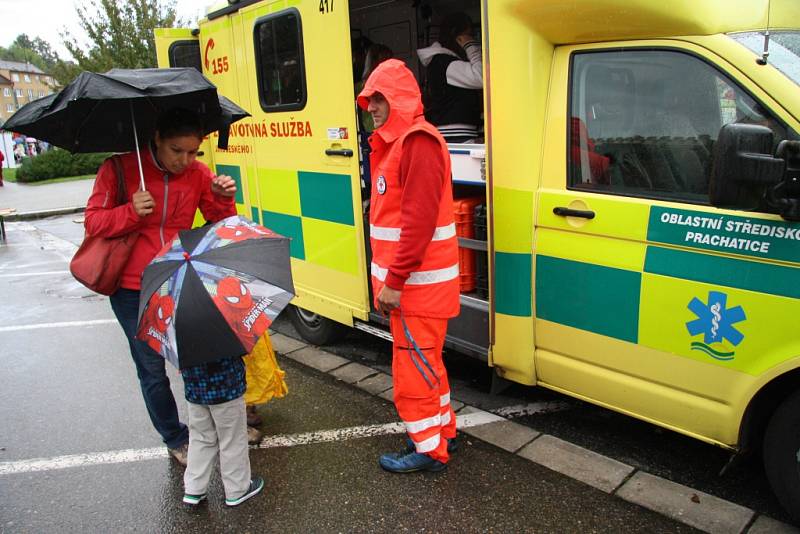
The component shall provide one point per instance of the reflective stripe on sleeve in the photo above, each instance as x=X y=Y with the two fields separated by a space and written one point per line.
x=388 y=233
x=444 y=400
x=414 y=427
x=421 y=277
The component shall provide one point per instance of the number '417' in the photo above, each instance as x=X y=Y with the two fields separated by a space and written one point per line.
x=325 y=6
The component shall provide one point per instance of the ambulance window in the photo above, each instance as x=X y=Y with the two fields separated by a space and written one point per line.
x=279 y=62
x=644 y=122
x=185 y=54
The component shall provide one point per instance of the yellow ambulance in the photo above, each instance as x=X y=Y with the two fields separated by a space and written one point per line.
x=628 y=220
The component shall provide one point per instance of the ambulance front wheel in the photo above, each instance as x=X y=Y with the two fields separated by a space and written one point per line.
x=782 y=454
x=315 y=328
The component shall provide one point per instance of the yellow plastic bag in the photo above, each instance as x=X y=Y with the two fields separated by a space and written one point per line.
x=264 y=377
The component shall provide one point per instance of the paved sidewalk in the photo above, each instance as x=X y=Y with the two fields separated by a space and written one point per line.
x=47 y=197
x=675 y=501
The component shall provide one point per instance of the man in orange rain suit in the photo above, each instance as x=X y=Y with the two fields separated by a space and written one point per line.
x=414 y=260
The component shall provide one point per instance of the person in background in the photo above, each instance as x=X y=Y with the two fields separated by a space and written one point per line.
x=414 y=269
x=2 y=159
x=454 y=80
x=375 y=55
x=359 y=47
x=265 y=381
x=176 y=186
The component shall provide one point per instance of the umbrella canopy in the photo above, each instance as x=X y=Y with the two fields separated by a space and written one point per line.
x=213 y=291
x=108 y=112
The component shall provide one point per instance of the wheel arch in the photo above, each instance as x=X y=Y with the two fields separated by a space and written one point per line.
x=762 y=405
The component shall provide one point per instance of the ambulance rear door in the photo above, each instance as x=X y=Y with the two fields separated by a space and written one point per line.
x=294 y=69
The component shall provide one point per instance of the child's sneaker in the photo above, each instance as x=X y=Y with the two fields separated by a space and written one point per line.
x=193 y=500
x=256 y=485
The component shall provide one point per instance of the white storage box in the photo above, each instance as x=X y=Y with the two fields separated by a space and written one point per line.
x=468 y=163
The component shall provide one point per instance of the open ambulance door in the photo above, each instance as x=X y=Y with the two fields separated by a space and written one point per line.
x=291 y=69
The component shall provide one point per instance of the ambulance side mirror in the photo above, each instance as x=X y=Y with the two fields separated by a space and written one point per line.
x=743 y=166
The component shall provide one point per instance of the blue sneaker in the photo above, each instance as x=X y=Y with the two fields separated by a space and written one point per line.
x=452 y=446
x=410 y=463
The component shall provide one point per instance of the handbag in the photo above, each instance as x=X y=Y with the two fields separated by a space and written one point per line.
x=99 y=261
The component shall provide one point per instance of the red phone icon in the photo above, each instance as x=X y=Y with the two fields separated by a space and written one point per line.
x=209 y=46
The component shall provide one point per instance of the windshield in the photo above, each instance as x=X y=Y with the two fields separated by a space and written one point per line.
x=784 y=50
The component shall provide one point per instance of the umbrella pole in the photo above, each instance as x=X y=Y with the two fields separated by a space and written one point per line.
x=138 y=154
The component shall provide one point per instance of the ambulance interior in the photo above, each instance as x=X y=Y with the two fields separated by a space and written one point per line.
x=405 y=26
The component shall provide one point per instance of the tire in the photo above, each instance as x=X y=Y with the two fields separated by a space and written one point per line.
x=315 y=328
x=782 y=454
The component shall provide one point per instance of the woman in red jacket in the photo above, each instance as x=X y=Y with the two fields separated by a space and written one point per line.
x=176 y=185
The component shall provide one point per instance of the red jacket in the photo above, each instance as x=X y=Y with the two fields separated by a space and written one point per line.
x=177 y=198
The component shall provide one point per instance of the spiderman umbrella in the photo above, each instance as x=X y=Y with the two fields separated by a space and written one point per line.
x=213 y=291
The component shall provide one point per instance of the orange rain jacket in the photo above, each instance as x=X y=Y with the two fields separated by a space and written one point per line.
x=432 y=288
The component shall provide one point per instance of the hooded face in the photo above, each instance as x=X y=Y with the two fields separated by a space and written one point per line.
x=397 y=86
x=378 y=106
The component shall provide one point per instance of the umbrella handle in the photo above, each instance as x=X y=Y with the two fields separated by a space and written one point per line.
x=138 y=154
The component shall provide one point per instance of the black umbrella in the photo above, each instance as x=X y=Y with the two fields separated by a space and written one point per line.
x=213 y=291
x=110 y=112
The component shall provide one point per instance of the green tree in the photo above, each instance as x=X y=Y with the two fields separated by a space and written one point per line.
x=23 y=49
x=38 y=52
x=120 y=33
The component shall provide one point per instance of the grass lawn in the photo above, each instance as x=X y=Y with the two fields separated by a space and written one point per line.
x=11 y=176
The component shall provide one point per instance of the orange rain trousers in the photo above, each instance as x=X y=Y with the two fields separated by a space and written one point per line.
x=423 y=405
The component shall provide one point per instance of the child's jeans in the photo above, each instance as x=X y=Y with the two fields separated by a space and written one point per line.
x=220 y=427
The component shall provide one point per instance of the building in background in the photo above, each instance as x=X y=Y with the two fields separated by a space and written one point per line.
x=21 y=83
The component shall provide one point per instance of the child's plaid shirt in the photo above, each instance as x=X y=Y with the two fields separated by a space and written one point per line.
x=215 y=382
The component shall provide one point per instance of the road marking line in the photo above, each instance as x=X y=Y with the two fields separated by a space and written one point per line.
x=81 y=460
x=11 y=265
x=288 y=440
x=519 y=410
x=47 y=273
x=68 y=324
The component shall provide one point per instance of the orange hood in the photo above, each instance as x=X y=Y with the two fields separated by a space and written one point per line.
x=397 y=84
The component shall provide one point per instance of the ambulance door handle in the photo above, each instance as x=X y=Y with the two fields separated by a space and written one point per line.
x=346 y=152
x=569 y=212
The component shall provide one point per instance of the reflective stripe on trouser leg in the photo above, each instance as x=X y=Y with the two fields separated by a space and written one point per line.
x=419 y=403
x=446 y=413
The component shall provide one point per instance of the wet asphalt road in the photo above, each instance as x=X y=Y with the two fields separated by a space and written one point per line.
x=72 y=391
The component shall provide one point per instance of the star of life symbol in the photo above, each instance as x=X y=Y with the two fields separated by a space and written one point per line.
x=715 y=321
x=381 y=184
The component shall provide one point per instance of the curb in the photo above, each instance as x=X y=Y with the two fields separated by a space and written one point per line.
x=33 y=215
x=675 y=501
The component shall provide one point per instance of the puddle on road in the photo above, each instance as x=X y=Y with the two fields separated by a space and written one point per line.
x=65 y=287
